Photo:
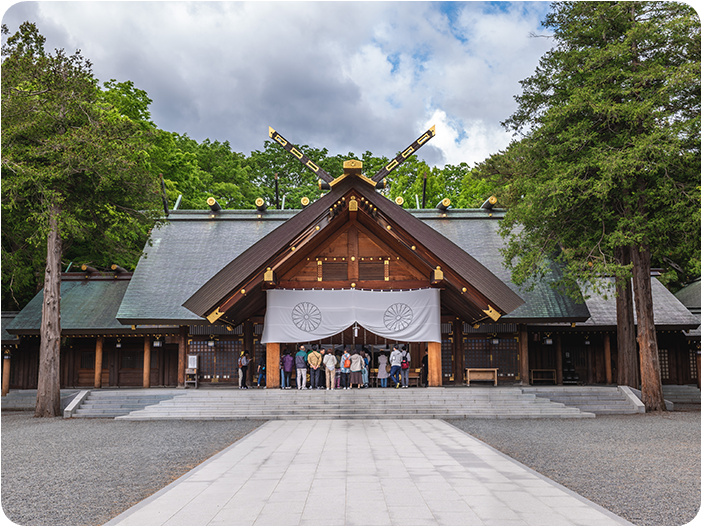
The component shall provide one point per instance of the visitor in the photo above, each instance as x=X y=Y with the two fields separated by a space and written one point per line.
x=345 y=364
x=261 y=371
x=395 y=366
x=288 y=363
x=425 y=368
x=330 y=369
x=314 y=359
x=404 y=367
x=366 y=366
x=301 y=368
x=383 y=370
x=356 y=368
x=243 y=366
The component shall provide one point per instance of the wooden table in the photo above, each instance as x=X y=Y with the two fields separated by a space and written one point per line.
x=481 y=374
x=551 y=376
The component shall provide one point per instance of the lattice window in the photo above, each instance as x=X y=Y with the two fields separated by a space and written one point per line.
x=447 y=357
x=221 y=361
x=664 y=363
x=476 y=353
x=504 y=357
x=693 y=365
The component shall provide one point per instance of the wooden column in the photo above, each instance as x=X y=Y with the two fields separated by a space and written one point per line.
x=559 y=360
x=182 y=352
x=147 y=362
x=434 y=376
x=272 y=369
x=98 y=361
x=608 y=359
x=352 y=244
x=523 y=355
x=5 y=373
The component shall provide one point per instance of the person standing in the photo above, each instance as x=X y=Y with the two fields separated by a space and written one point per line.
x=301 y=368
x=288 y=363
x=425 y=368
x=243 y=366
x=366 y=367
x=383 y=370
x=314 y=359
x=395 y=366
x=404 y=368
x=345 y=369
x=330 y=369
x=356 y=368
x=261 y=371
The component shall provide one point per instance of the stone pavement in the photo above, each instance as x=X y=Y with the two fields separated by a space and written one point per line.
x=363 y=472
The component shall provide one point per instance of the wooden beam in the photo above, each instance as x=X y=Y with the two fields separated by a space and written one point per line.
x=353 y=254
x=434 y=375
x=182 y=352
x=98 y=361
x=147 y=362
x=608 y=359
x=272 y=361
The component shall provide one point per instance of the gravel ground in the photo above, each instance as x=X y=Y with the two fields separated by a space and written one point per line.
x=87 y=471
x=645 y=468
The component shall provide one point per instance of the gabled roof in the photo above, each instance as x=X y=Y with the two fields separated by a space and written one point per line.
x=7 y=318
x=453 y=259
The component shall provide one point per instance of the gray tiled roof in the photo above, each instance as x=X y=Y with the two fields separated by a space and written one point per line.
x=86 y=305
x=668 y=311
x=7 y=318
x=476 y=233
x=185 y=254
x=690 y=297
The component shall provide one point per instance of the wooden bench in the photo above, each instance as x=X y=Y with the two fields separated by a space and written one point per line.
x=414 y=376
x=543 y=375
x=481 y=374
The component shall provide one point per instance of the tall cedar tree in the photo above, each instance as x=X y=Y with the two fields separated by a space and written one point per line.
x=606 y=175
x=72 y=168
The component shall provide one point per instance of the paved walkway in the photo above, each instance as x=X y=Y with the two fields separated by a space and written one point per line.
x=363 y=472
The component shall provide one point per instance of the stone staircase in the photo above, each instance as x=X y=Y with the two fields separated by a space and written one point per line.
x=683 y=393
x=114 y=403
x=599 y=400
x=413 y=403
x=25 y=400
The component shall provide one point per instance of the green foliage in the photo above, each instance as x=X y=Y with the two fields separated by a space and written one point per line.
x=65 y=145
x=610 y=149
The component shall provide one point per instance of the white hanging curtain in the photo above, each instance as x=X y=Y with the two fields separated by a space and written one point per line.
x=307 y=315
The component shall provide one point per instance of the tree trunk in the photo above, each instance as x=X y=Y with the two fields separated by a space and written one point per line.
x=628 y=372
x=651 y=387
x=48 y=385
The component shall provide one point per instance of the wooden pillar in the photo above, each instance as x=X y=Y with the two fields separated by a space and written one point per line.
x=147 y=361
x=523 y=355
x=434 y=375
x=559 y=360
x=272 y=361
x=607 y=359
x=5 y=373
x=590 y=364
x=98 y=361
x=182 y=352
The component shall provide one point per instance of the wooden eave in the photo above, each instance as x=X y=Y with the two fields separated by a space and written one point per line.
x=468 y=287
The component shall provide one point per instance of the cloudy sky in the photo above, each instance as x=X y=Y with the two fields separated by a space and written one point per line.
x=347 y=76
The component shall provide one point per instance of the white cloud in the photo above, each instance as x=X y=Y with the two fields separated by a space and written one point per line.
x=348 y=76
